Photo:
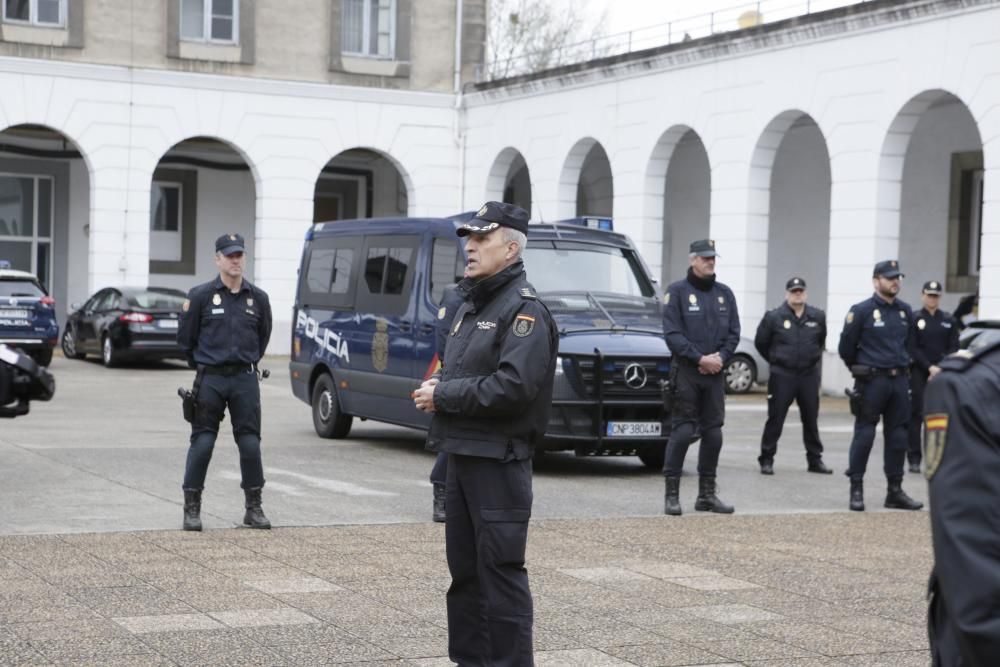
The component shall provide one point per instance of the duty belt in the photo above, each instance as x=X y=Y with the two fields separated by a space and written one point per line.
x=229 y=369
x=890 y=372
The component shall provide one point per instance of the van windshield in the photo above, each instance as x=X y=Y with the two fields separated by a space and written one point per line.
x=559 y=266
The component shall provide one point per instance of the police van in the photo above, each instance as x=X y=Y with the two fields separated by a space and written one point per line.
x=366 y=312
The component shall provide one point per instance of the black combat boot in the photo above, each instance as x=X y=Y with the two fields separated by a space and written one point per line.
x=857 y=495
x=707 y=501
x=192 y=509
x=255 y=515
x=897 y=499
x=671 y=501
x=438 y=514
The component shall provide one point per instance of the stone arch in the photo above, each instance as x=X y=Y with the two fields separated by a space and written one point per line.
x=362 y=182
x=586 y=181
x=509 y=179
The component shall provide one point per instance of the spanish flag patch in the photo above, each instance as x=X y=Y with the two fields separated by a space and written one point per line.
x=523 y=325
x=935 y=438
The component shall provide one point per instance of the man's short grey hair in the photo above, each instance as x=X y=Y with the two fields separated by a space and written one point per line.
x=511 y=235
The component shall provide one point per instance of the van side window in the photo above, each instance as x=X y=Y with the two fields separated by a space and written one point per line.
x=328 y=271
x=447 y=267
x=388 y=273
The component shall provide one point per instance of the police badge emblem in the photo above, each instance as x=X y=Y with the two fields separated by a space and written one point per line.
x=921 y=324
x=250 y=301
x=935 y=438
x=216 y=300
x=380 y=346
x=481 y=212
x=787 y=324
x=523 y=325
x=441 y=312
x=877 y=314
x=722 y=299
x=692 y=298
x=232 y=237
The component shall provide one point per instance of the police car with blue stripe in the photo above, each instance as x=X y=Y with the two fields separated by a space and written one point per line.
x=367 y=307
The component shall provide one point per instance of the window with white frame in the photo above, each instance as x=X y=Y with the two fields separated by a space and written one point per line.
x=27 y=204
x=165 y=222
x=43 y=13
x=210 y=21
x=369 y=28
x=965 y=221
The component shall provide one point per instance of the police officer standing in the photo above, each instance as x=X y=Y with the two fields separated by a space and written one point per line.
x=702 y=328
x=490 y=407
x=962 y=466
x=224 y=329
x=792 y=338
x=874 y=345
x=933 y=336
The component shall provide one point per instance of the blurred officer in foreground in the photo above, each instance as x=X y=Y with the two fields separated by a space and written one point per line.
x=224 y=329
x=874 y=345
x=962 y=465
x=702 y=328
x=490 y=407
x=453 y=297
x=792 y=338
x=933 y=336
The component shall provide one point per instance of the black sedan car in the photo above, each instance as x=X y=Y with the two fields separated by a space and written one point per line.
x=125 y=324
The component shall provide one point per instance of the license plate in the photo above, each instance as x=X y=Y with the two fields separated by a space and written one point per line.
x=633 y=429
x=14 y=314
x=166 y=324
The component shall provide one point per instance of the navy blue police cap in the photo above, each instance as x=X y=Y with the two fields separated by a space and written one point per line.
x=888 y=268
x=795 y=283
x=932 y=287
x=496 y=214
x=227 y=244
x=704 y=248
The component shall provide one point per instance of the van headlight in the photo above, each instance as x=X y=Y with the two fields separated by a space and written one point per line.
x=559 y=365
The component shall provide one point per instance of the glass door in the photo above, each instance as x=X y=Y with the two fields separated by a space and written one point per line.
x=26 y=209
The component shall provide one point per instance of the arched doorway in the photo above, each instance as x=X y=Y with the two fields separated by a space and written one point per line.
x=586 y=186
x=361 y=183
x=509 y=180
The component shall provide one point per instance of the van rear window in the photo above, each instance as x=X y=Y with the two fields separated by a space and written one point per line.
x=328 y=272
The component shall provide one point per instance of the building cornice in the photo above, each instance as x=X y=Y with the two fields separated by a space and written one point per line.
x=229 y=84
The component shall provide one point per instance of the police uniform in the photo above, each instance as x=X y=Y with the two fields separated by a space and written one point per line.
x=224 y=335
x=452 y=299
x=932 y=337
x=491 y=407
x=793 y=346
x=699 y=318
x=962 y=466
x=874 y=345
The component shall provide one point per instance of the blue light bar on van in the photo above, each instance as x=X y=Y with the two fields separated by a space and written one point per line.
x=593 y=222
x=4 y=264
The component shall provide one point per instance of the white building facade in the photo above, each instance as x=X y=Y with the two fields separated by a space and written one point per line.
x=813 y=147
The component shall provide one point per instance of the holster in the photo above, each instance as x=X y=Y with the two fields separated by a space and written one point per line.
x=854 y=400
x=189 y=397
x=861 y=372
x=668 y=389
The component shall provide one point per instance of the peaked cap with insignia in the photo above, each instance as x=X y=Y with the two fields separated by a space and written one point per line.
x=493 y=215
x=704 y=248
x=227 y=244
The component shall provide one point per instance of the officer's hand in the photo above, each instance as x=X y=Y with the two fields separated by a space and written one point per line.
x=934 y=370
x=710 y=364
x=423 y=397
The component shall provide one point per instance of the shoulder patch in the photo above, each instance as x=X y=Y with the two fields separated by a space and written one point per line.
x=666 y=298
x=935 y=439
x=441 y=312
x=523 y=325
x=528 y=293
x=187 y=305
x=850 y=316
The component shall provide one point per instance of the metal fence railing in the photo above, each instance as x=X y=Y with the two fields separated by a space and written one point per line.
x=738 y=17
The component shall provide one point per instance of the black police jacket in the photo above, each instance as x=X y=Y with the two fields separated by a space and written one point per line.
x=453 y=297
x=220 y=327
x=962 y=458
x=495 y=392
x=699 y=318
x=932 y=337
x=792 y=344
x=876 y=334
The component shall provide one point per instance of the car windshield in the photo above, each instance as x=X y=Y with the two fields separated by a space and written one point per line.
x=155 y=300
x=20 y=287
x=560 y=266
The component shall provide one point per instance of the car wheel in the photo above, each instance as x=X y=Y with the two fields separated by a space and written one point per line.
x=328 y=420
x=108 y=354
x=42 y=357
x=652 y=457
x=69 y=345
x=741 y=373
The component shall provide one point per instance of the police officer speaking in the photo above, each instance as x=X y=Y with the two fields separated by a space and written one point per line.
x=490 y=406
x=702 y=328
x=874 y=345
x=224 y=328
x=792 y=338
x=933 y=335
x=962 y=465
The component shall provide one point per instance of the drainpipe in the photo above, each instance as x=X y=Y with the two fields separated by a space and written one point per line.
x=459 y=130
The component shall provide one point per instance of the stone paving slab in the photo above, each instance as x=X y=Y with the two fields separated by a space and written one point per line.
x=774 y=591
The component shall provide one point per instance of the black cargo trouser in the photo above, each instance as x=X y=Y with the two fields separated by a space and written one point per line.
x=918 y=383
x=241 y=394
x=782 y=390
x=490 y=616
x=888 y=398
x=700 y=401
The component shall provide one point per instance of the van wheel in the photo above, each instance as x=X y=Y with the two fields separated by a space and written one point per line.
x=652 y=457
x=328 y=420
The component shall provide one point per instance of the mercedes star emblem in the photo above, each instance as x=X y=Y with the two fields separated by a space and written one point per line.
x=635 y=376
